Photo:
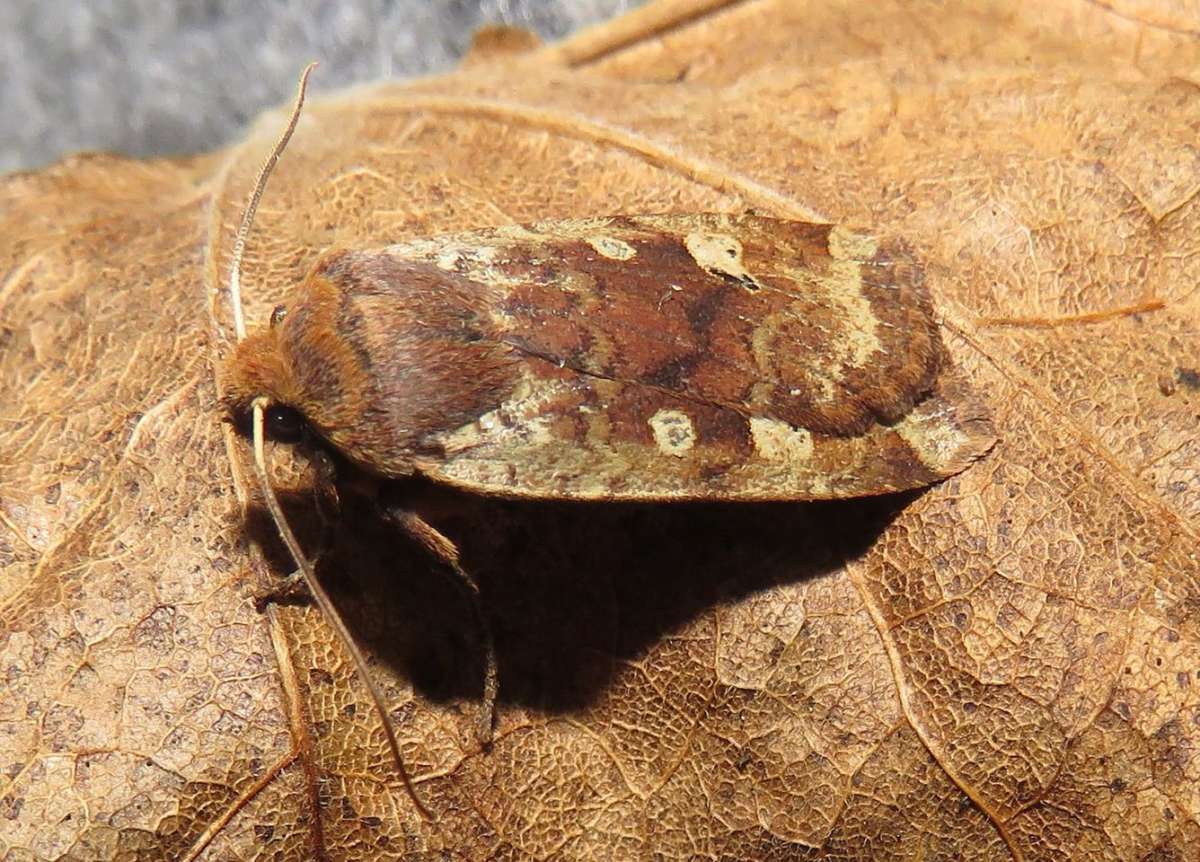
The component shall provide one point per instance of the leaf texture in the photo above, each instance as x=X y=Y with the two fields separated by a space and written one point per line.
x=1004 y=667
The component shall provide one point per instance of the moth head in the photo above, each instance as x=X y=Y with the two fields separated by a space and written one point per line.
x=258 y=368
x=309 y=375
x=284 y=423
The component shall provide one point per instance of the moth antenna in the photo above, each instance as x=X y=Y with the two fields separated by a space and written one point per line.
x=323 y=601
x=260 y=459
x=260 y=185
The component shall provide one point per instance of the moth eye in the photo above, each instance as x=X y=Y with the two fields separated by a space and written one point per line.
x=284 y=424
x=277 y=315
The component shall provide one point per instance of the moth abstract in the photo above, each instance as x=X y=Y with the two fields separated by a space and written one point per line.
x=653 y=358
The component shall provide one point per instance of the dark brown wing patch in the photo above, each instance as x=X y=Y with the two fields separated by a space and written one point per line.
x=805 y=323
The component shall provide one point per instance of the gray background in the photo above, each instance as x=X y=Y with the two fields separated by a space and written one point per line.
x=157 y=77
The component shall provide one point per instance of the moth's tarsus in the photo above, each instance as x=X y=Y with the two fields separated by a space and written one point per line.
x=292 y=590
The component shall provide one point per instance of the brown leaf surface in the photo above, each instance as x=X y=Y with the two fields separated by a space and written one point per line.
x=1006 y=667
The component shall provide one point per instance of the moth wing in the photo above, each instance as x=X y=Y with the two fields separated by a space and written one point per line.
x=550 y=441
x=712 y=356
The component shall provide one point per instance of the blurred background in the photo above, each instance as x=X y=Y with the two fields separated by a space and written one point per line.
x=163 y=77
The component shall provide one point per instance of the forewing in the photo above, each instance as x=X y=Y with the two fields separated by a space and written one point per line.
x=713 y=356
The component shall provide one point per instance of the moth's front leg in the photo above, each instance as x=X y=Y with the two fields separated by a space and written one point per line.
x=326 y=499
x=327 y=502
x=437 y=545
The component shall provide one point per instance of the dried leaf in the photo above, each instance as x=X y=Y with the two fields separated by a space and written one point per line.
x=1007 y=666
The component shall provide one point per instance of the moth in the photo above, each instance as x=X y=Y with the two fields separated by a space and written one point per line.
x=732 y=357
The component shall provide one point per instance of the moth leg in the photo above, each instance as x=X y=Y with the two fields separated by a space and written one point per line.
x=291 y=590
x=446 y=552
x=326 y=500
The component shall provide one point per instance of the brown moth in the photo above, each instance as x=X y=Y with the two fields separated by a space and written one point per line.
x=654 y=358
x=676 y=357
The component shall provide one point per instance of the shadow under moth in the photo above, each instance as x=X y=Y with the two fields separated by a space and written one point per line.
x=654 y=358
